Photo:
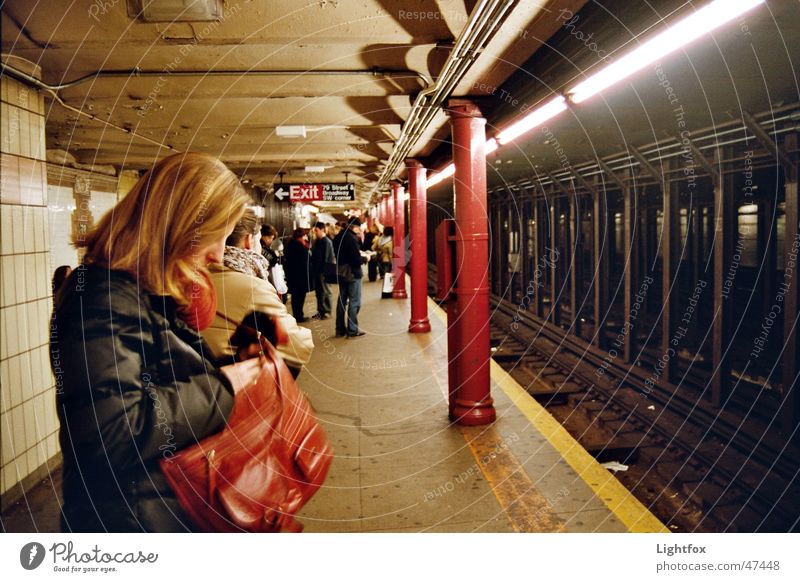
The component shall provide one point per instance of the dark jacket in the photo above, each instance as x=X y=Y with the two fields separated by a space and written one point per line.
x=347 y=249
x=134 y=385
x=296 y=260
x=367 y=244
x=321 y=253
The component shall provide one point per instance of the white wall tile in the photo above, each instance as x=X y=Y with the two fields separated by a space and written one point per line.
x=6 y=238
x=52 y=445
x=30 y=277
x=9 y=293
x=16 y=229
x=24 y=132
x=48 y=416
x=7 y=437
x=41 y=422
x=37 y=375
x=19 y=279
x=38 y=230
x=17 y=430
x=22 y=339
x=33 y=460
x=25 y=377
x=43 y=275
x=30 y=424
x=12 y=91
x=5 y=133
x=14 y=381
x=5 y=387
x=33 y=100
x=11 y=333
x=28 y=240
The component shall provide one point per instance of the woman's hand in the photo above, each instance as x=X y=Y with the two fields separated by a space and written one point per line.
x=243 y=374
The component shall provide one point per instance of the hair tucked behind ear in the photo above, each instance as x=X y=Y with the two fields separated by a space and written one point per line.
x=159 y=231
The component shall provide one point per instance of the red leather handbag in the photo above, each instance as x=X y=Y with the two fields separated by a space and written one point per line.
x=257 y=473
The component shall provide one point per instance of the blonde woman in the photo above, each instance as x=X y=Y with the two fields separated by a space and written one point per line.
x=136 y=381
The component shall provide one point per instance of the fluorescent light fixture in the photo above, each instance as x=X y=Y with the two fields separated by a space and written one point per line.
x=172 y=10
x=680 y=34
x=442 y=175
x=310 y=208
x=316 y=169
x=491 y=145
x=533 y=119
x=291 y=131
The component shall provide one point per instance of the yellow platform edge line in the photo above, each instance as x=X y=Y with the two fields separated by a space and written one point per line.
x=621 y=502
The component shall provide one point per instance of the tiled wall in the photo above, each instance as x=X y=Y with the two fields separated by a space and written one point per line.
x=28 y=424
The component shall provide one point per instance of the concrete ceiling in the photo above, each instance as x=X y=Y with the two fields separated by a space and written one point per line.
x=353 y=119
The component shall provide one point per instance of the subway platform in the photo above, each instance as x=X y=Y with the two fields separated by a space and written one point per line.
x=401 y=466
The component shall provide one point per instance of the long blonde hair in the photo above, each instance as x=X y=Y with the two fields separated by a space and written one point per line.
x=183 y=204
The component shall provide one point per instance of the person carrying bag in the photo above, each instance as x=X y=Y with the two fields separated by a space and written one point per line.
x=267 y=463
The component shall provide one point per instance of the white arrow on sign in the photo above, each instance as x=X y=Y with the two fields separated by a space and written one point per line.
x=280 y=193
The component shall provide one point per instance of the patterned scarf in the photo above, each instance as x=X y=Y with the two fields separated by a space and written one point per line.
x=247 y=262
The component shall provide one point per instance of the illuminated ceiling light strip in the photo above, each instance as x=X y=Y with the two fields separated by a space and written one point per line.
x=701 y=22
x=441 y=175
x=680 y=34
x=533 y=119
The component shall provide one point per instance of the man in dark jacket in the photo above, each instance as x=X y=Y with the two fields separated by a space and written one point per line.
x=298 y=275
x=321 y=255
x=348 y=259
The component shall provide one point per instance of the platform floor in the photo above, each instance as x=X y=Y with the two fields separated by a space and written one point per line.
x=401 y=466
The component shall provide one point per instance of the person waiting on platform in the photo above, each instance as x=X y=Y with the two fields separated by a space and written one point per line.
x=322 y=258
x=384 y=246
x=137 y=380
x=348 y=260
x=369 y=237
x=241 y=288
x=333 y=230
x=268 y=234
x=297 y=259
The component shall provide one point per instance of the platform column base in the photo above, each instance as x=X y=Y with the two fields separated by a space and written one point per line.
x=471 y=413
x=419 y=326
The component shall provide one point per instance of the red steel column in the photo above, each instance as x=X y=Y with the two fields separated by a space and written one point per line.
x=399 y=242
x=418 y=234
x=390 y=210
x=473 y=404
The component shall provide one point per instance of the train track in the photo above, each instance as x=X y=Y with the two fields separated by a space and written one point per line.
x=696 y=469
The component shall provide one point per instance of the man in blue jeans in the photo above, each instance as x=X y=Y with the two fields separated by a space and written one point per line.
x=348 y=259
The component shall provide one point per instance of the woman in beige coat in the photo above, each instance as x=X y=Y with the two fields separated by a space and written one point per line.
x=242 y=287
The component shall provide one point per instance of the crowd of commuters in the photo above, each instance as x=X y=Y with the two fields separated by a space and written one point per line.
x=141 y=330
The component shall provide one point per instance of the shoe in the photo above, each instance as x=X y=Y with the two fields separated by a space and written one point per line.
x=357 y=334
x=341 y=334
x=324 y=316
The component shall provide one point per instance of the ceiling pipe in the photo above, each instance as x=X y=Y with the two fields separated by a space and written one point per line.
x=31 y=80
x=483 y=22
x=136 y=73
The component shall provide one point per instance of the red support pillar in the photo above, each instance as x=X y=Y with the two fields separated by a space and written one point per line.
x=418 y=234
x=389 y=211
x=470 y=325
x=399 y=242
